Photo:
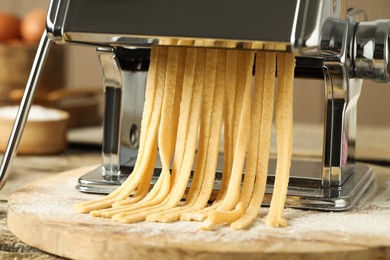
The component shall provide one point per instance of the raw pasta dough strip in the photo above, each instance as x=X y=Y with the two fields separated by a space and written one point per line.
x=143 y=188
x=166 y=149
x=146 y=116
x=167 y=135
x=244 y=74
x=192 y=116
x=208 y=183
x=183 y=131
x=150 y=130
x=235 y=60
x=260 y=102
x=207 y=157
x=284 y=121
x=231 y=110
x=144 y=162
x=170 y=113
x=168 y=125
x=184 y=112
x=232 y=194
x=206 y=111
x=242 y=137
x=267 y=75
x=194 y=85
x=208 y=94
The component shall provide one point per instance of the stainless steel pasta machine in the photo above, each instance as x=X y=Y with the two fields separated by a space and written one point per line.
x=330 y=41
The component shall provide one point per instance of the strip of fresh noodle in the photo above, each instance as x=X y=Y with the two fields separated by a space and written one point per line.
x=229 y=119
x=218 y=217
x=208 y=183
x=181 y=140
x=184 y=112
x=193 y=105
x=232 y=194
x=124 y=191
x=141 y=191
x=229 y=125
x=242 y=138
x=207 y=157
x=146 y=117
x=173 y=116
x=265 y=74
x=243 y=73
x=207 y=102
x=284 y=121
x=168 y=125
x=166 y=144
x=167 y=137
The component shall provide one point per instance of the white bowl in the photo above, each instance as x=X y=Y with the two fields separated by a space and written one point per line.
x=44 y=133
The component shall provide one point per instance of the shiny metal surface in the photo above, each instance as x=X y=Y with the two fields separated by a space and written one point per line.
x=341 y=96
x=363 y=46
x=297 y=29
x=55 y=20
x=305 y=190
x=24 y=108
x=112 y=111
x=371 y=51
x=353 y=50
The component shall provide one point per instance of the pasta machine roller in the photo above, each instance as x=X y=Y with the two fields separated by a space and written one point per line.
x=330 y=41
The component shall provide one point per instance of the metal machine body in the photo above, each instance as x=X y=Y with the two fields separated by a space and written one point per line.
x=328 y=40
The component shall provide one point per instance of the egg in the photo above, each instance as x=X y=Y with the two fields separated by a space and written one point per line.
x=15 y=42
x=33 y=25
x=9 y=26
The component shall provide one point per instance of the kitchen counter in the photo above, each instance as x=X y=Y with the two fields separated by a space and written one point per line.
x=373 y=147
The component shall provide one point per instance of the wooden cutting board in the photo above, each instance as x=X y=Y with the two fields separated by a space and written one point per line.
x=41 y=215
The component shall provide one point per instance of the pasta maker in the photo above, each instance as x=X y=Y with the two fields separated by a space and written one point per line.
x=331 y=42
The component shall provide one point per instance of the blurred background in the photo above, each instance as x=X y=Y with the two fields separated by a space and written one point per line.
x=82 y=70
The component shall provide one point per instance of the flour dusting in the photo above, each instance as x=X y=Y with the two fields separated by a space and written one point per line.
x=53 y=201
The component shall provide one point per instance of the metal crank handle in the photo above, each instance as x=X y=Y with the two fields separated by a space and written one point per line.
x=24 y=107
x=371 y=51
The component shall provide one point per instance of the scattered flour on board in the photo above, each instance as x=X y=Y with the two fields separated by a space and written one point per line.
x=371 y=218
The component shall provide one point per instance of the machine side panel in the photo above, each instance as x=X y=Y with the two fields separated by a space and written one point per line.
x=266 y=20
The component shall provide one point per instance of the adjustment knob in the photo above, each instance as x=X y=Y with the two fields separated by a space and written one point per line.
x=371 y=50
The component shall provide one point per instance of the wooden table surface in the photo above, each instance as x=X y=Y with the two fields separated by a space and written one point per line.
x=373 y=146
x=26 y=169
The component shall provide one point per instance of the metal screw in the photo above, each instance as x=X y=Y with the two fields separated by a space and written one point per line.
x=134 y=135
